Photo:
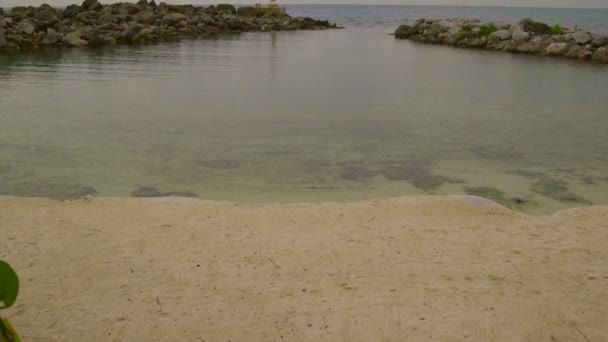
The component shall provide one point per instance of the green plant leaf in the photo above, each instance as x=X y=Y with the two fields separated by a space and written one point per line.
x=9 y=285
x=7 y=332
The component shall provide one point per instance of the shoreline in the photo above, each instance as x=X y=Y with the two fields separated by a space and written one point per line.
x=470 y=200
x=419 y=268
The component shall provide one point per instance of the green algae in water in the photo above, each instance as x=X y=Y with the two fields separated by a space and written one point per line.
x=416 y=172
x=496 y=153
x=528 y=174
x=557 y=190
x=356 y=173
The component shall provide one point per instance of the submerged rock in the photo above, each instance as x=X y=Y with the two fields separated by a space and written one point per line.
x=356 y=173
x=496 y=153
x=150 y=191
x=557 y=190
x=146 y=191
x=221 y=164
x=45 y=189
x=416 y=172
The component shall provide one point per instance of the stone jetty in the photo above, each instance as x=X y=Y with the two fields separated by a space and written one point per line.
x=95 y=24
x=527 y=36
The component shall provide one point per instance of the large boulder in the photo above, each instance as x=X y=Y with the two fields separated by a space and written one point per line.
x=520 y=36
x=26 y=27
x=403 y=32
x=584 y=53
x=600 y=55
x=226 y=9
x=130 y=32
x=582 y=37
x=46 y=17
x=557 y=49
x=3 y=41
x=51 y=37
x=173 y=18
x=71 y=11
x=146 y=17
x=573 y=51
x=74 y=39
x=535 y=46
x=499 y=36
x=598 y=40
x=91 y=5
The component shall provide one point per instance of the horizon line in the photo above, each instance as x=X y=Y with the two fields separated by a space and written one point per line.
x=370 y=5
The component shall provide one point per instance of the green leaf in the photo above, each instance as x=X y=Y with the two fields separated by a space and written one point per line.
x=7 y=332
x=9 y=285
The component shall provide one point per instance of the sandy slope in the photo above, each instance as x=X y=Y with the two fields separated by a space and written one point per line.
x=408 y=269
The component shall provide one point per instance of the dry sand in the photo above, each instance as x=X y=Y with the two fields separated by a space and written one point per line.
x=410 y=269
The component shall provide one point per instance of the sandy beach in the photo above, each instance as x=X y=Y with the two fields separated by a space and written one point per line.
x=452 y=268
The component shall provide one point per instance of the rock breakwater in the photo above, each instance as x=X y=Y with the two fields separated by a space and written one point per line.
x=527 y=36
x=95 y=24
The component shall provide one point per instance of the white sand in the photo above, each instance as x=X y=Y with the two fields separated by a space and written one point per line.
x=408 y=269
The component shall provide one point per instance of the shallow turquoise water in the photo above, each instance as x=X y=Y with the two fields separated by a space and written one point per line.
x=304 y=116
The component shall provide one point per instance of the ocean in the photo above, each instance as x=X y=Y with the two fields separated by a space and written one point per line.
x=338 y=115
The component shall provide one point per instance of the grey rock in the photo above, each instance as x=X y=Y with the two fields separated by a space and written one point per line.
x=599 y=40
x=26 y=27
x=499 y=35
x=71 y=12
x=403 y=32
x=520 y=36
x=73 y=39
x=582 y=37
x=574 y=51
x=130 y=32
x=600 y=55
x=51 y=37
x=90 y=5
x=3 y=41
x=557 y=49
x=46 y=17
x=584 y=53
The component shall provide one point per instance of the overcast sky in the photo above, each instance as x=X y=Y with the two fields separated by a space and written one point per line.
x=524 y=3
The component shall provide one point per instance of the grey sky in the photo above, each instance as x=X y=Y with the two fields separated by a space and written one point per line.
x=518 y=3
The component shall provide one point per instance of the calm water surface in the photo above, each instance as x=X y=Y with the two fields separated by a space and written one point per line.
x=306 y=116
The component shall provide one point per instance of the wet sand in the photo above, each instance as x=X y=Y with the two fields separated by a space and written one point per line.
x=443 y=268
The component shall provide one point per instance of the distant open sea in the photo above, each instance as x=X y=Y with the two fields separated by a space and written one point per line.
x=391 y=16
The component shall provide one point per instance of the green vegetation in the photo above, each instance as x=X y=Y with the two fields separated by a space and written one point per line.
x=535 y=27
x=486 y=30
x=465 y=32
x=557 y=30
x=9 y=289
x=557 y=189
